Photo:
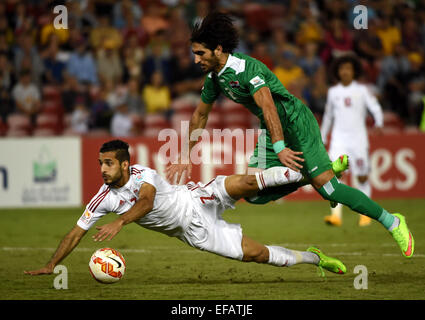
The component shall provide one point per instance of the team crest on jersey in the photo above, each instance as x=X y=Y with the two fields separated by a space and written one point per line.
x=234 y=84
x=139 y=178
x=86 y=217
x=256 y=81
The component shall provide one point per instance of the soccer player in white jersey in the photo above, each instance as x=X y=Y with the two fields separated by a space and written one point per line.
x=346 y=110
x=191 y=212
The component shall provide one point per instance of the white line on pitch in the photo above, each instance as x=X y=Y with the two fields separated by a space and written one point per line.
x=151 y=249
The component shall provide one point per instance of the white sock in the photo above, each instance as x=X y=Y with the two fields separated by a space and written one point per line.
x=276 y=176
x=282 y=257
x=337 y=211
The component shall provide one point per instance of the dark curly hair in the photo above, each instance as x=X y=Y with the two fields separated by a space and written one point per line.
x=216 y=29
x=348 y=58
x=119 y=147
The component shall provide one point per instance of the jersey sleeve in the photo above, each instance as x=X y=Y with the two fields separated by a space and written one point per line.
x=254 y=77
x=327 y=118
x=374 y=108
x=209 y=92
x=97 y=208
x=144 y=175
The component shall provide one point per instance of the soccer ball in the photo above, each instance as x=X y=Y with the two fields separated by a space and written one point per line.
x=107 y=265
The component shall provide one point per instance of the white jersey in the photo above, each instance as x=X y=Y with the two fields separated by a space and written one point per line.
x=172 y=209
x=346 y=111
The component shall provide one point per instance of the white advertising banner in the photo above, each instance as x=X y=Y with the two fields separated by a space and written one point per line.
x=40 y=172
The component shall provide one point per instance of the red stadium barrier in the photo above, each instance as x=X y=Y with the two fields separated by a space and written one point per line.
x=397 y=162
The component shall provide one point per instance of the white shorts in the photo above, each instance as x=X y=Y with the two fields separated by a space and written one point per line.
x=358 y=158
x=207 y=230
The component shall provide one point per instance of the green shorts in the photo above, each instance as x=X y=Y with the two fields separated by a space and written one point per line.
x=301 y=133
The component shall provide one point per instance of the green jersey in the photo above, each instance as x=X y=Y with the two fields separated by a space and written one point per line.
x=240 y=78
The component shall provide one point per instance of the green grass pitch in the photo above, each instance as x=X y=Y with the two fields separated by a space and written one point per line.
x=159 y=267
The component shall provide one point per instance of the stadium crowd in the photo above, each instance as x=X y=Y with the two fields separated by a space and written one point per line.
x=125 y=67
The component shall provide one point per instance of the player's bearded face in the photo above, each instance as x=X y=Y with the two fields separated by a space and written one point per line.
x=205 y=58
x=111 y=169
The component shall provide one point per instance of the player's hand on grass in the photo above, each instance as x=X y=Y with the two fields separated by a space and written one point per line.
x=179 y=168
x=108 y=231
x=45 y=270
x=290 y=159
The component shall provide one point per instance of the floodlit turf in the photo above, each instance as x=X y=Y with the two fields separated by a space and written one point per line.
x=159 y=267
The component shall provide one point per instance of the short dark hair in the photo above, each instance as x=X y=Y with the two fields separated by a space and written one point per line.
x=119 y=147
x=348 y=58
x=216 y=29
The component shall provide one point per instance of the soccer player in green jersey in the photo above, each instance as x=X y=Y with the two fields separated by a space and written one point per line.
x=292 y=133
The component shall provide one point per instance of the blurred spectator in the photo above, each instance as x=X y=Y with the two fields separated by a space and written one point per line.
x=261 y=53
x=7 y=81
x=72 y=92
x=122 y=122
x=48 y=29
x=134 y=99
x=178 y=30
x=389 y=33
x=279 y=43
x=80 y=118
x=81 y=14
x=109 y=65
x=5 y=48
x=370 y=50
x=6 y=30
x=415 y=83
x=202 y=8
x=27 y=57
x=369 y=45
x=26 y=95
x=338 y=41
x=116 y=94
x=126 y=11
x=317 y=93
x=186 y=77
x=100 y=112
x=289 y=74
x=82 y=65
x=410 y=35
x=156 y=95
x=309 y=28
x=104 y=32
x=157 y=59
x=53 y=66
x=7 y=76
x=310 y=61
x=153 y=19
x=133 y=55
x=392 y=66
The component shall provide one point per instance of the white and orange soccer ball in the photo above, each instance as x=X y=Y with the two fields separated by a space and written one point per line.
x=107 y=265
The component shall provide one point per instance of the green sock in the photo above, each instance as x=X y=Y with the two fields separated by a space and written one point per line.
x=387 y=219
x=356 y=201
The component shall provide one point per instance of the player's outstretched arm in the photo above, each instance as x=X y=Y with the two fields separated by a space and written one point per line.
x=198 y=121
x=68 y=243
x=142 y=207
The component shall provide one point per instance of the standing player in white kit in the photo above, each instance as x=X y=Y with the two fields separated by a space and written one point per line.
x=191 y=212
x=346 y=110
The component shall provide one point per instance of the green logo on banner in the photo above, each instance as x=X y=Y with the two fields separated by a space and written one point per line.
x=45 y=167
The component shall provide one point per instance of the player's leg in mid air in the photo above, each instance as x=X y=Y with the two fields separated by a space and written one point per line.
x=208 y=231
x=305 y=136
x=254 y=251
x=264 y=157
